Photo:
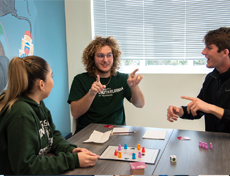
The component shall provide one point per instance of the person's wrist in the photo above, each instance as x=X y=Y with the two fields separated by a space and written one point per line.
x=91 y=93
x=134 y=87
x=181 y=112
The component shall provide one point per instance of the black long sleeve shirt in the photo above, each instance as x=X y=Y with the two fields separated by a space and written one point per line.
x=216 y=91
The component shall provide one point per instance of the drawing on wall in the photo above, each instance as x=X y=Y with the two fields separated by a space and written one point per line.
x=26 y=48
x=4 y=61
x=8 y=6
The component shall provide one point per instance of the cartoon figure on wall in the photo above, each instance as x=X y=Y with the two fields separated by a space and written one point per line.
x=26 y=48
x=4 y=60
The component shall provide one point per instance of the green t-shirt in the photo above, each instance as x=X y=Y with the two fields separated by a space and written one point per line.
x=107 y=106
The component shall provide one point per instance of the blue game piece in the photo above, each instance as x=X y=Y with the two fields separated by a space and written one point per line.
x=125 y=146
x=134 y=156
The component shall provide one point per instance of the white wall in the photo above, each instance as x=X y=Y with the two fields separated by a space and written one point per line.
x=160 y=90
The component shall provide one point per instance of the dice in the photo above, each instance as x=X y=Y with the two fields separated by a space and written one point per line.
x=173 y=158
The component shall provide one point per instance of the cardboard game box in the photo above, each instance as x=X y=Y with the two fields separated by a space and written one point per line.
x=137 y=168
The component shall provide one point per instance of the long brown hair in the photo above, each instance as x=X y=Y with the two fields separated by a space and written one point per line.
x=98 y=42
x=22 y=74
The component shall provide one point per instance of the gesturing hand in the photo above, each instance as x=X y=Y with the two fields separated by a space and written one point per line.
x=97 y=87
x=196 y=104
x=172 y=113
x=134 y=79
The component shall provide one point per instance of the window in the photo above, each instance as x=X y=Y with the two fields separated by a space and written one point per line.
x=160 y=35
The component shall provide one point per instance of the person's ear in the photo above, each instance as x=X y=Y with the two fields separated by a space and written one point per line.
x=41 y=85
x=226 y=52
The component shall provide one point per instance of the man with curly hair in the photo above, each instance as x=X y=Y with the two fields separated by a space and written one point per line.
x=213 y=100
x=97 y=96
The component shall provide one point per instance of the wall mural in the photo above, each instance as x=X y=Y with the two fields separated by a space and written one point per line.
x=7 y=7
x=37 y=27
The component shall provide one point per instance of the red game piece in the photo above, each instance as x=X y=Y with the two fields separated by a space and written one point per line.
x=143 y=151
x=115 y=153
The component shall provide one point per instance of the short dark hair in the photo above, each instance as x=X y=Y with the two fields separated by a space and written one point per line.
x=220 y=37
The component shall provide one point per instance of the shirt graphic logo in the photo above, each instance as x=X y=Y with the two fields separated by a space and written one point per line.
x=108 y=92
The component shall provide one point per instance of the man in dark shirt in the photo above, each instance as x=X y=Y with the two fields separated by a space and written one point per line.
x=213 y=100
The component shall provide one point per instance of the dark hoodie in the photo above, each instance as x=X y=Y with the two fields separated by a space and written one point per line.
x=216 y=91
x=27 y=133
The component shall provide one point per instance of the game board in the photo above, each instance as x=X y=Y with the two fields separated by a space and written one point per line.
x=149 y=157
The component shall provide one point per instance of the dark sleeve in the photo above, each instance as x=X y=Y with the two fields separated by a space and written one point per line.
x=60 y=144
x=226 y=117
x=76 y=90
x=23 y=147
x=190 y=116
x=127 y=90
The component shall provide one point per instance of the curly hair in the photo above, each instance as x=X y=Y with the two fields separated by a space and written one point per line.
x=98 y=42
x=220 y=37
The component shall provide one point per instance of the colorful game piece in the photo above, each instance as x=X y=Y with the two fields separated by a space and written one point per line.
x=125 y=146
x=150 y=156
x=173 y=158
x=210 y=145
x=206 y=146
x=139 y=155
x=119 y=147
x=133 y=155
x=200 y=144
x=138 y=147
x=119 y=154
x=143 y=151
x=203 y=145
x=115 y=153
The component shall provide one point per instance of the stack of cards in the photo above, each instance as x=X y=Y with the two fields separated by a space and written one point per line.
x=137 y=168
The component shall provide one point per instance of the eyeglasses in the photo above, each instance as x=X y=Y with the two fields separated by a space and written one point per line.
x=102 y=56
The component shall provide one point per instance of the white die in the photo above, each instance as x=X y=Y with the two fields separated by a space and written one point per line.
x=173 y=158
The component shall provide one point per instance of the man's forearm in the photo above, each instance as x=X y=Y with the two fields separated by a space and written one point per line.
x=80 y=107
x=217 y=111
x=137 y=98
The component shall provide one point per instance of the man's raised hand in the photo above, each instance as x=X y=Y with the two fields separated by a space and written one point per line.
x=134 y=79
x=97 y=87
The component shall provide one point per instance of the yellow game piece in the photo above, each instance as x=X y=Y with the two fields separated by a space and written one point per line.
x=138 y=147
x=119 y=154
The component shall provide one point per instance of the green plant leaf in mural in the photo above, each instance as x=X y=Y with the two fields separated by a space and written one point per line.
x=1 y=30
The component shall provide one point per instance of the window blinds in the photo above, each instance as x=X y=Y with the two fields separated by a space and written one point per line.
x=159 y=29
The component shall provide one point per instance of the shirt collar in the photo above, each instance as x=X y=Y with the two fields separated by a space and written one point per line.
x=221 y=76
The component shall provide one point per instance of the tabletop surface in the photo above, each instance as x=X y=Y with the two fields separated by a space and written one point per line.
x=194 y=160
x=112 y=167
x=191 y=159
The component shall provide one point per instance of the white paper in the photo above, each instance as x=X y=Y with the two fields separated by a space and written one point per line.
x=98 y=137
x=155 y=134
x=120 y=129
